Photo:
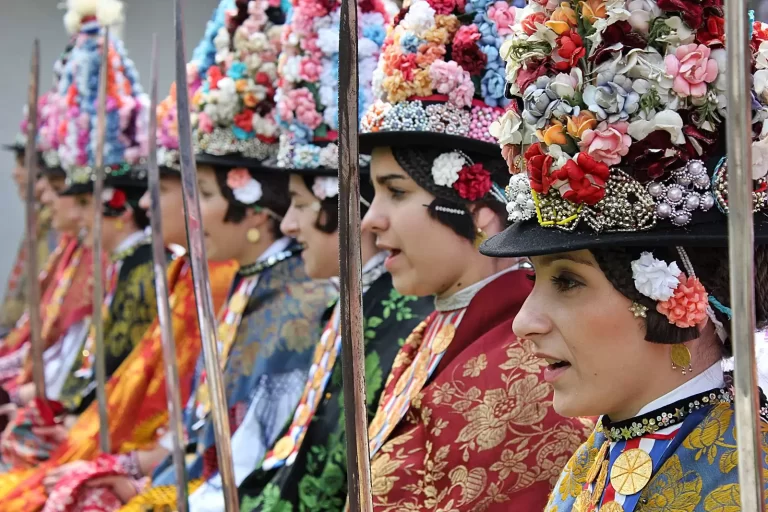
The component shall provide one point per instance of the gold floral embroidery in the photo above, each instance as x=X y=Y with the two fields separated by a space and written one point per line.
x=671 y=490
x=475 y=366
x=723 y=499
x=521 y=356
x=575 y=472
x=708 y=435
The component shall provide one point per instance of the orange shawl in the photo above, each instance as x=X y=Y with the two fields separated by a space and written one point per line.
x=137 y=404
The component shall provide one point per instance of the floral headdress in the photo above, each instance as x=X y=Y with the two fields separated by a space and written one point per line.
x=126 y=141
x=618 y=118
x=233 y=110
x=307 y=97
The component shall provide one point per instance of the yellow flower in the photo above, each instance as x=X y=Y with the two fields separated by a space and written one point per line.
x=382 y=469
x=398 y=89
x=422 y=83
x=577 y=125
x=448 y=21
x=437 y=35
x=555 y=134
x=706 y=437
x=241 y=85
x=671 y=490
x=592 y=10
x=563 y=19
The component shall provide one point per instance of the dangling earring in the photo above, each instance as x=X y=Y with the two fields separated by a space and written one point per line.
x=253 y=235
x=480 y=237
x=119 y=224
x=681 y=357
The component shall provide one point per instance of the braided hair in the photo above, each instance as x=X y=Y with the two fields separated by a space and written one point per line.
x=711 y=267
x=417 y=162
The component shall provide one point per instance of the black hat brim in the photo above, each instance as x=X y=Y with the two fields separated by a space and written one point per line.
x=369 y=141
x=232 y=161
x=77 y=189
x=16 y=148
x=530 y=239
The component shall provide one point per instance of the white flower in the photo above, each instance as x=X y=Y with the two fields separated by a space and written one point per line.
x=654 y=278
x=566 y=85
x=107 y=194
x=329 y=157
x=221 y=41
x=331 y=117
x=328 y=40
x=508 y=129
x=520 y=206
x=329 y=95
x=249 y=193
x=325 y=187
x=761 y=60
x=290 y=69
x=642 y=13
x=666 y=120
x=366 y=48
x=446 y=168
x=681 y=34
x=759 y=158
x=227 y=87
x=420 y=18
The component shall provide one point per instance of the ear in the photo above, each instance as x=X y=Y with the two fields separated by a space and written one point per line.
x=256 y=219
x=485 y=219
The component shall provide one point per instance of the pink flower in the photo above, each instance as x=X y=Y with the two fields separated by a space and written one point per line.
x=301 y=23
x=302 y=103
x=449 y=78
x=688 y=305
x=503 y=15
x=443 y=6
x=238 y=178
x=607 y=143
x=692 y=69
x=204 y=123
x=310 y=69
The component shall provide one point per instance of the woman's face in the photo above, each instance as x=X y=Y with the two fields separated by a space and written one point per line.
x=66 y=213
x=85 y=204
x=223 y=240
x=20 y=177
x=599 y=360
x=171 y=211
x=426 y=257
x=321 y=250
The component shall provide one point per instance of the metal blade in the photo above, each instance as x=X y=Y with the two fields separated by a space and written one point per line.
x=33 y=284
x=164 y=315
x=198 y=260
x=98 y=283
x=741 y=253
x=353 y=346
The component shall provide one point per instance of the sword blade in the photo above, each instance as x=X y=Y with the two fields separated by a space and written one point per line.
x=741 y=253
x=353 y=347
x=98 y=283
x=202 y=285
x=33 y=284
x=164 y=314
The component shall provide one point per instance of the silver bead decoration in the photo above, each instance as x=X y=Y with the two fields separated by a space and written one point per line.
x=686 y=191
x=520 y=206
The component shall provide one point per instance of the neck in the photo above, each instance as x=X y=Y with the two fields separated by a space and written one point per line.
x=478 y=267
x=252 y=252
x=110 y=244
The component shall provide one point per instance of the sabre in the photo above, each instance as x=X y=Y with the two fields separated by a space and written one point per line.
x=351 y=300
x=163 y=307
x=33 y=284
x=741 y=253
x=202 y=284
x=98 y=284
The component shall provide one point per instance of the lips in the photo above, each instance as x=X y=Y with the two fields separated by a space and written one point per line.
x=555 y=367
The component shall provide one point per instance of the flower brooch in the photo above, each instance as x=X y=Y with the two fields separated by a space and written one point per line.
x=456 y=170
x=114 y=199
x=325 y=187
x=245 y=188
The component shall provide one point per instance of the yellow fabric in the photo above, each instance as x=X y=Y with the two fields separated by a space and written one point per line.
x=158 y=499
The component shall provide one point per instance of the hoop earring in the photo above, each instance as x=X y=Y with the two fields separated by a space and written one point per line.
x=480 y=237
x=681 y=357
x=253 y=235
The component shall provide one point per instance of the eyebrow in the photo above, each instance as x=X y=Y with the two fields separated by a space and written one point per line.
x=548 y=260
x=383 y=180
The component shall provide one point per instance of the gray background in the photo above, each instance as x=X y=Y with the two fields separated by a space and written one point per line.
x=23 y=20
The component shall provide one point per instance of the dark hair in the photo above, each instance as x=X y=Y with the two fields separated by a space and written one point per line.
x=417 y=162
x=711 y=267
x=133 y=196
x=275 y=197
x=328 y=216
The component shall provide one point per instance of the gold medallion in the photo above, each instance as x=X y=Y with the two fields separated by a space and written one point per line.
x=420 y=374
x=443 y=339
x=331 y=341
x=681 y=357
x=303 y=414
x=226 y=333
x=582 y=501
x=317 y=380
x=598 y=462
x=602 y=479
x=283 y=448
x=403 y=381
x=631 y=472
x=319 y=353
x=237 y=303
x=612 y=506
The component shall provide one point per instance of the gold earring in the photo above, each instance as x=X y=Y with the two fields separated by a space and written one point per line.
x=253 y=235
x=638 y=310
x=681 y=357
x=119 y=224
x=480 y=237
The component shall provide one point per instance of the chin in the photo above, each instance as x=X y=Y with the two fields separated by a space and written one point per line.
x=407 y=283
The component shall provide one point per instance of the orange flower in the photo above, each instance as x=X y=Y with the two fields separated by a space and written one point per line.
x=448 y=21
x=554 y=134
x=592 y=10
x=429 y=53
x=437 y=35
x=398 y=89
x=241 y=85
x=577 y=125
x=563 y=19
x=422 y=83
x=250 y=100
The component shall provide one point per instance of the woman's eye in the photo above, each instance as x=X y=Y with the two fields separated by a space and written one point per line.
x=565 y=283
x=396 y=193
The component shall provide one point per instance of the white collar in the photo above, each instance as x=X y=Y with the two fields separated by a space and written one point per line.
x=461 y=299
x=711 y=378
x=277 y=246
x=130 y=241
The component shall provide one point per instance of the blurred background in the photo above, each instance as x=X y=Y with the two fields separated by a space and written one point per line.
x=23 y=20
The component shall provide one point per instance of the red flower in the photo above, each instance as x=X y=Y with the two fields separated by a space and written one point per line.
x=582 y=181
x=713 y=32
x=214 y=75
x=538 y=165
x=530 y=22
x=466 y=53
x=473 y=183
x=118 y=200
x=691 y=12
x=654 y=156
x=406 y=64
x=759 y=34
x=244 y=120
x=570 y=48
x=262 y=78
x=619 y=33
x=443 y=6
x=532 y=70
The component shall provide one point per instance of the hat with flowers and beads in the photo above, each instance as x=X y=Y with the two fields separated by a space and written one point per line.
x=616 y=131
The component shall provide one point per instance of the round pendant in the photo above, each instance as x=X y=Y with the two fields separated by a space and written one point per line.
x=597 y=464
x=612 y=506
x=582 y=501
x=420 y=374
x=317 y=379
x=443 y=339
x=303 y=415
x=631 y=472
x=403 y=381
x=237 y=303
x=680 y=355
x=283 y=448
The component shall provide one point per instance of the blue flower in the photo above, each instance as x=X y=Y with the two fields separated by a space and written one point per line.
x=519 y=3
x=237 y=70
x=300 y=133
x=475 y=6
x=241 y=134
x=375 y=33
x=410 y=43
x=492 y=87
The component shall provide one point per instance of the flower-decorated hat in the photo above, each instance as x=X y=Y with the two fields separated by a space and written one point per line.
x=308 y=93
x=616 y=131
x=126 y=144
x=440 y=79
x=203 y=57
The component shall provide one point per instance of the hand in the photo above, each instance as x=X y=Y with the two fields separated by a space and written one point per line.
x=149 y=459
x=58 y=433
x=121 y=486
x=54 y=475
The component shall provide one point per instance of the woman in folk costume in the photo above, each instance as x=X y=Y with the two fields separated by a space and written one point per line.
x=267 y=329
x=129 y=305
x=622 y=184
x=287 y=473
x=465 y=420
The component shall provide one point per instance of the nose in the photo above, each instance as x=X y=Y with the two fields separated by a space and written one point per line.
x=145 y=203
x=289 y=225
x=532 y=321
x=375 y=220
